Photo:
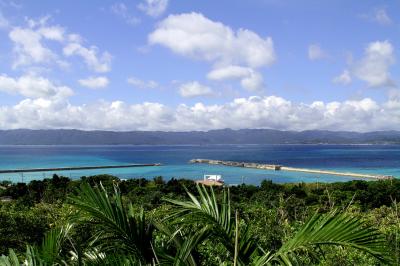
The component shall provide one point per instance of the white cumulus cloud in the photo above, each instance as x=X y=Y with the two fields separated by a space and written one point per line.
x=28 y=47
x=32 y=46
x=94 y=82
x=252 y=112
x=373 y=68
x=238 y=52
x=55 y=33
x=98 y=63
x=249 y=79
x=153 y=8
x=33 y=87
x=193 y=35
x=194 y=89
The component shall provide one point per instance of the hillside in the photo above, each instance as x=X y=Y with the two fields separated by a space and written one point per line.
x=224 y=136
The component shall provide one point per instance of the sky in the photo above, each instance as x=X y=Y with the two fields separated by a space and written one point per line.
x=183 y=65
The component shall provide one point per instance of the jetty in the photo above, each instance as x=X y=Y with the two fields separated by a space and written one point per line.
x=277 y=167
x=75 y=168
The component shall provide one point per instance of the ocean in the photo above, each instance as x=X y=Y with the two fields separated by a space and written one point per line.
x=369 y=159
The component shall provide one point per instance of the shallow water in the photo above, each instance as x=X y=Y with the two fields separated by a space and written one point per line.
x=371 y=159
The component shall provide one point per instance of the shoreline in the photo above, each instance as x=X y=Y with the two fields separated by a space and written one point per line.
x=276 y=167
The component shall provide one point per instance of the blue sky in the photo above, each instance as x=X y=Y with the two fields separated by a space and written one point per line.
x=199 y=65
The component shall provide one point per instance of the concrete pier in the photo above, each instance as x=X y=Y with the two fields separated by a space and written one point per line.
x=75 y=168
x=277 y=167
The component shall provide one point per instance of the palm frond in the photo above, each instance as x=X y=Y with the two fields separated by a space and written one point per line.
x=184 y=252
x=335 y=228
x=116 y=225
x=50 y=250
x=265 y=259
x=10 y=260
x=93 y=259
x=205 y=212
x=178 y=243
x=206 y=208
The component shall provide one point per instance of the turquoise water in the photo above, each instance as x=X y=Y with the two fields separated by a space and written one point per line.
x=370 y=159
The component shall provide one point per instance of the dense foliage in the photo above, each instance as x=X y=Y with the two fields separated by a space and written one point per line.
x=161 y=218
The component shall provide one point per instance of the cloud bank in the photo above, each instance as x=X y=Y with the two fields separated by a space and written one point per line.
x=252 y=112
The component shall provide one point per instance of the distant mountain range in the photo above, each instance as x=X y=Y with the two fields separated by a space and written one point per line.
x=223 y=136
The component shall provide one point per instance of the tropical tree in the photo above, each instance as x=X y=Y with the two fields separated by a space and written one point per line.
x=123 y=236
x=48 y=253
x=217 y=221
x=119 y=231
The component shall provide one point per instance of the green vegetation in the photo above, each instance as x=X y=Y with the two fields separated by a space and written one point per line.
x=101 y=220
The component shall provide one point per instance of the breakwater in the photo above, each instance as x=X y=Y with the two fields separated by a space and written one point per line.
x=75 y=168
x=277 y=167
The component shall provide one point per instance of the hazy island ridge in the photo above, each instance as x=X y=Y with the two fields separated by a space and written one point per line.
x=221 y=136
